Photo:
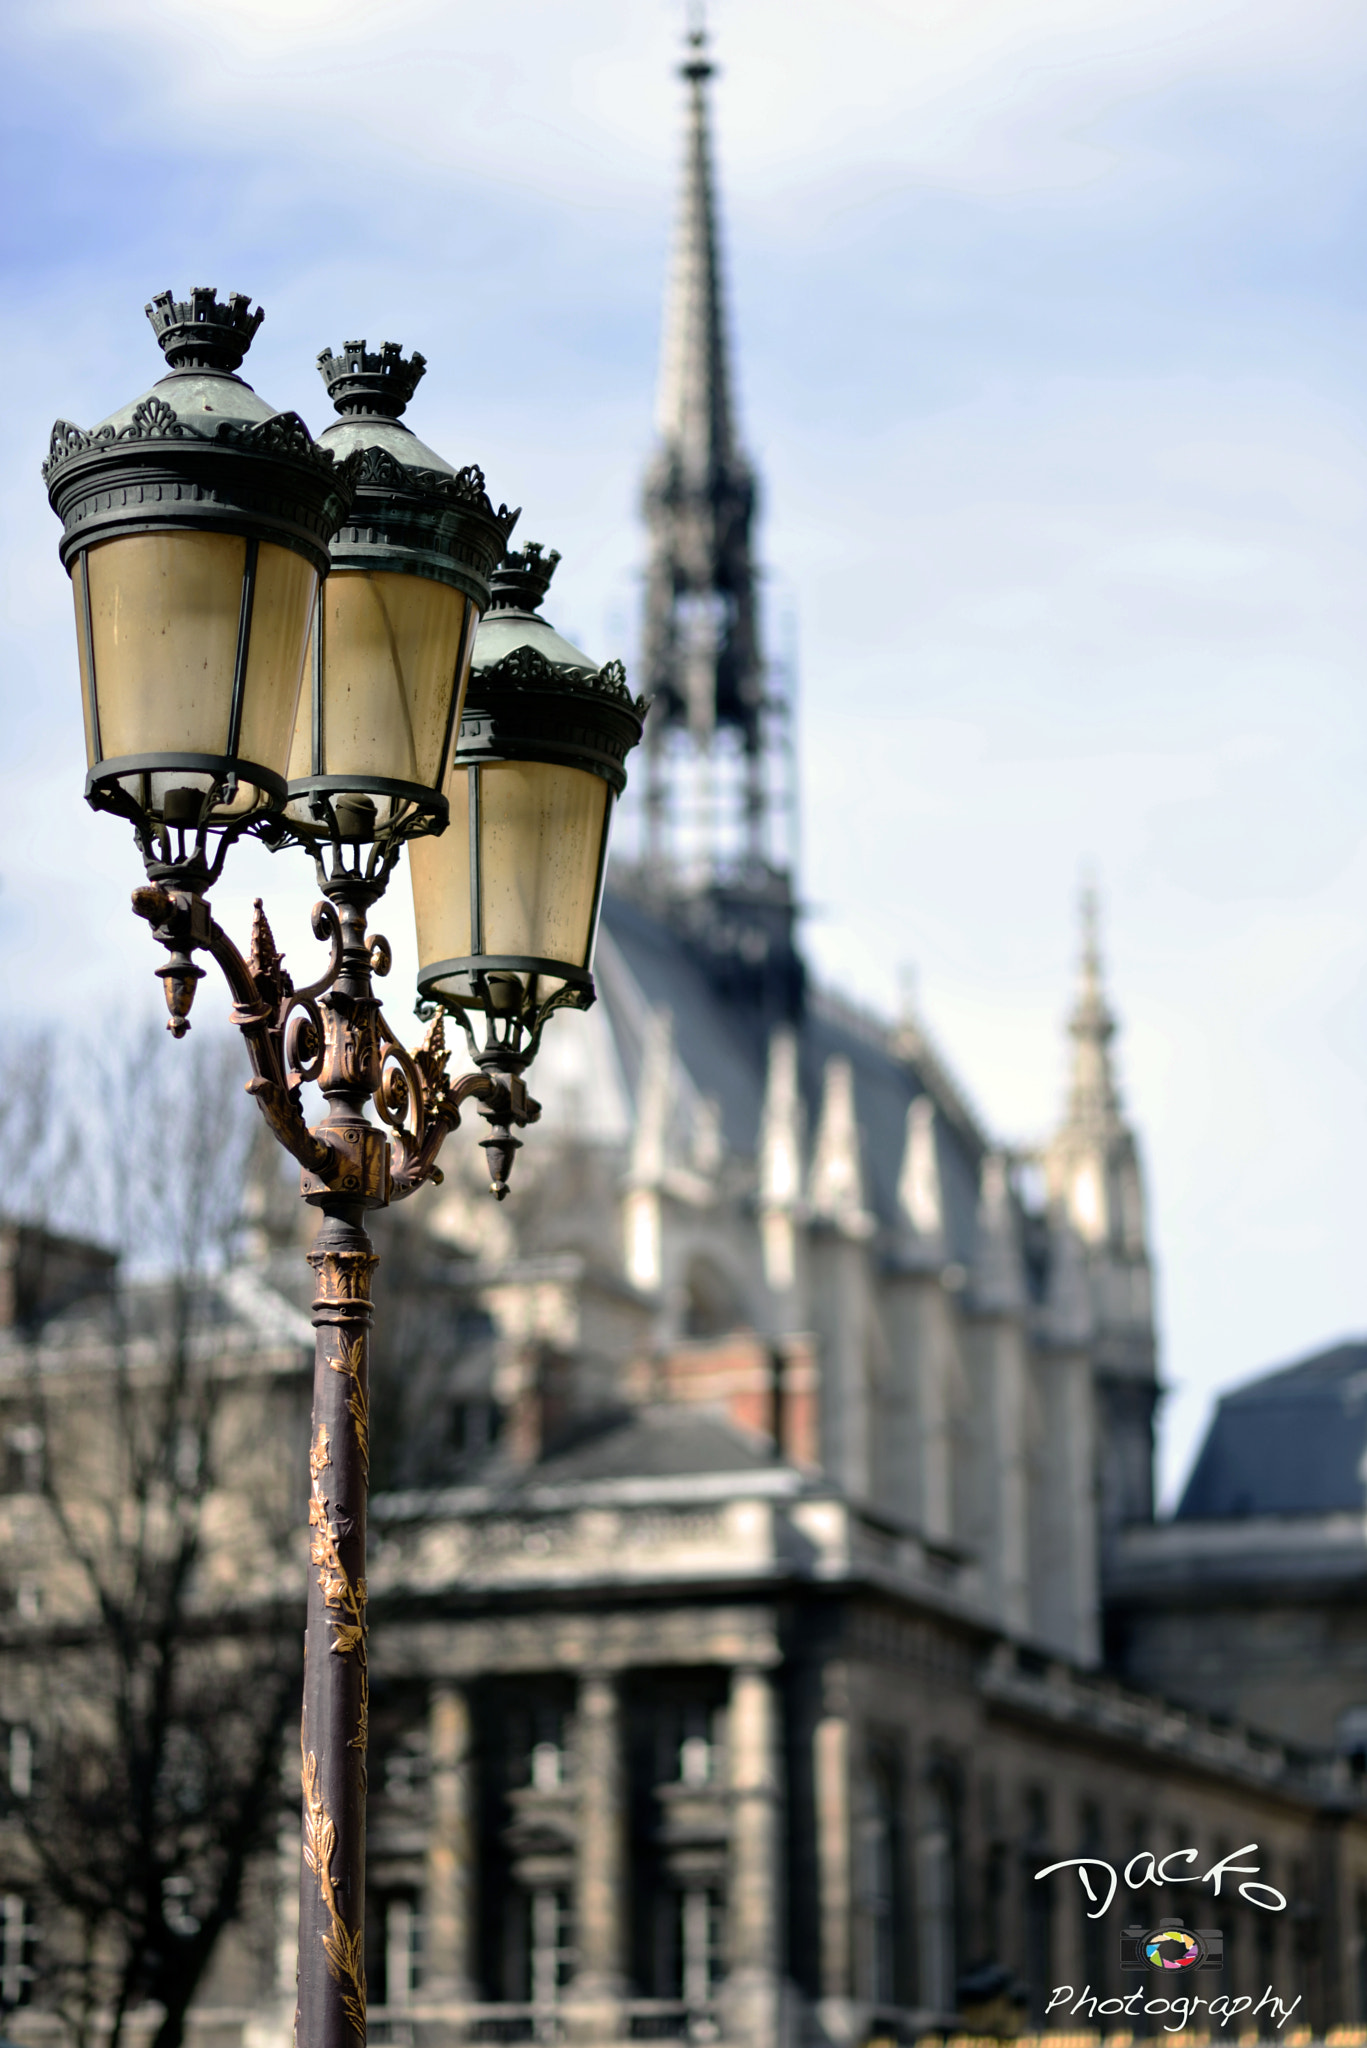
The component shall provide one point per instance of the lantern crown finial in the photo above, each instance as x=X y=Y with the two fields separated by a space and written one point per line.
x=522 y=578
x=199 y=334
x=374 y=382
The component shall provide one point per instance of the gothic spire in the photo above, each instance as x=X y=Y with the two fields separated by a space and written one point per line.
x=693 y=408
x=701 y=653
x=1092 y=1162
x=1093 y=1099
x=1095 y=1185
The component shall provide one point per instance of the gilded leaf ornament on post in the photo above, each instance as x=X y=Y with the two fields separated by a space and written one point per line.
x=344 y=1600
x=342 y=1945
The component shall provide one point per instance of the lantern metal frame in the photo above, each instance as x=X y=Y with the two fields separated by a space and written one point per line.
x=527 y=708
x=158 y=472
x=405 y=519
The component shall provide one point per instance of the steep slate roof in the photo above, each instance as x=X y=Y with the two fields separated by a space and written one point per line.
x=653 y=1443
x=723 y=1046
x=652 y=969
x=1290 y=1443
x=885 y=1086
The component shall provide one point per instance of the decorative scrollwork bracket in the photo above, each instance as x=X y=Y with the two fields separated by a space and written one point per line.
x=334 y=1032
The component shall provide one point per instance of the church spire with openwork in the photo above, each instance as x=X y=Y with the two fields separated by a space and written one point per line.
x=1092 y=1163
x=1093 y=1099
x=1095 y=1185
x=706 y=789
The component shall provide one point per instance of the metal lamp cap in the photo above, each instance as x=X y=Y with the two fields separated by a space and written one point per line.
x=199 y=334
x=522 y=578
x=371 y=383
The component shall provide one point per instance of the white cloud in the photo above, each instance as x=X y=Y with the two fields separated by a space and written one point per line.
x=992 y=96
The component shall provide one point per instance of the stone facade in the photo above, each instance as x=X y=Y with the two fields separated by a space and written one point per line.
x=1250 y=1600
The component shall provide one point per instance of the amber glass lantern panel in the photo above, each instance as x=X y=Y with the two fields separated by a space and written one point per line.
x=541 y=828
x=392 y=646
x=519 y=882
x=166 y=614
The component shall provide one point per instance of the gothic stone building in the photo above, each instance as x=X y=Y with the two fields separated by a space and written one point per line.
x=749 y=1479
x=1251 y=1599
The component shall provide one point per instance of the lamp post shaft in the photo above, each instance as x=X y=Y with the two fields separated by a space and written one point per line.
x=335 y=1728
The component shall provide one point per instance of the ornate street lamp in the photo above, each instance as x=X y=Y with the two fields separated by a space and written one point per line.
x=275 y=636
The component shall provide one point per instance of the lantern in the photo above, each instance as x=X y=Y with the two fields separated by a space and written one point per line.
x=395 y=622
x=507 y=902
x=196 y=524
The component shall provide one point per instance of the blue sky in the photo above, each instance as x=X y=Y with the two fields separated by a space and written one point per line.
x=1050 y=322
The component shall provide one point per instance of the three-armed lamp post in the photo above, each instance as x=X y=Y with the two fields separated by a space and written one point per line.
x=282 y=636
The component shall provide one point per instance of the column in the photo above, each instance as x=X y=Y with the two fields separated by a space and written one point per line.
x=449 y=1903
x=835 y=1877
x=600 y=1861
x=398 y=1953
x=750 y=1996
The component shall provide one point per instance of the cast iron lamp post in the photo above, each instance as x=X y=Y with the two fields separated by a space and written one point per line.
x=275 y=637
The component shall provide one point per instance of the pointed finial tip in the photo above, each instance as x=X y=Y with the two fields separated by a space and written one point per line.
x=1091 y=1016
x=697 y=65
x=1089 y=916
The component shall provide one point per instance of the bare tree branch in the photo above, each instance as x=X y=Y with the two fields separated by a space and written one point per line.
x=163 y=1668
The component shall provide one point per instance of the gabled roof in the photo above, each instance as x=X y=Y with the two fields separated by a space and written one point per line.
x=1289 y=1443
x=721 y=1042
x=642 y=965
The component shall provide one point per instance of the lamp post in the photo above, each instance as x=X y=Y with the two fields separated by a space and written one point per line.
x=275 y=636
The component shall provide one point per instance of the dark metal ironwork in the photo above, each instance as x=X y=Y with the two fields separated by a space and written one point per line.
x=412 y=515
x=152 y=468
x=334 y=1032
x=200 y=453
x=533 y=697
